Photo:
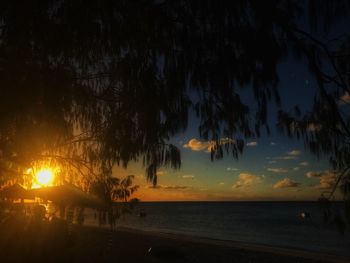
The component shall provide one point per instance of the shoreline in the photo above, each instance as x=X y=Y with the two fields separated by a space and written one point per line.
x=268 y=250
x=91 y=243
x=249 y=247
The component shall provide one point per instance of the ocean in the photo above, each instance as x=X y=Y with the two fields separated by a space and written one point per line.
x=267 y=223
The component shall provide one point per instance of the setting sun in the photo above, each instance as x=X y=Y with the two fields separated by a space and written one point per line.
x=44 y=177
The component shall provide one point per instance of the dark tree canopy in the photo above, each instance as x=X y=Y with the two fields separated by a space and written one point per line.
x=97 y=83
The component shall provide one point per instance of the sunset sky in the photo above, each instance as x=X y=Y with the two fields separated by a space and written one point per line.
x=271 y=168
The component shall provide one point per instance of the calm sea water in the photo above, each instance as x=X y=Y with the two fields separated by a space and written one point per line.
x=268 y=223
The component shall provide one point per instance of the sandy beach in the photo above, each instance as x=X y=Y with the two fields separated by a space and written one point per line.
x=93 y=244
x=197 y=249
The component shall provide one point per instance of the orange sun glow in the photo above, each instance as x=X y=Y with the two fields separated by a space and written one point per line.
x=43 y=178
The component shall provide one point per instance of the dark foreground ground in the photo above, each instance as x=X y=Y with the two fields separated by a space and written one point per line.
x=47 y=242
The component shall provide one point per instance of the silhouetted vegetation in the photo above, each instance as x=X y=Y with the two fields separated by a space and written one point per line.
x=117 y=196
x=91 y=84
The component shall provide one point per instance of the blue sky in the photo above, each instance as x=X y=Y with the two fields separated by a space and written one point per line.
x=271 y=168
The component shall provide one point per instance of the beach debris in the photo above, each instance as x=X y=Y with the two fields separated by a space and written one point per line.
x=305 y=215
x=142 y=213
x=166 y=253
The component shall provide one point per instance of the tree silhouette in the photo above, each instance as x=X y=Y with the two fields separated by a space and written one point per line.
x=325 y=129
x=97 y=84
x=116 y=194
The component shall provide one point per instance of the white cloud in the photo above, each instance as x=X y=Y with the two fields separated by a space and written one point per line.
x=344 y=99
x=278 y=170
x=285 y=183
x=272 y=143
x=170 y=187
x=245 y=180
x=188 y=176
x=232 y=169
x=272 y=161
x=252 y=144
x=311 y=127
x=296 y=168
x=327 y=178
x=207 y=146
x=294 y=153
x=304 y=163
x=196 y=145
x=311 y=174
x=140 y=176
x=291 y=155
x=286 y=158
x=161 y=173
x=327 y=181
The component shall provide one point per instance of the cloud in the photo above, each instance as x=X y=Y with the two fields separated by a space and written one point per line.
x=278 y=170
x=188 y=176
x=252 y=144
x=344 y=99
x=176 y=187
x=226 y=141
x=245 y=180
x=170 y=187
x=285 y=183
x=296 y=168
x=311 y=127
x=161 y=173
x=272 y=143
x=313 y=174
x=294 y=153
x=327 y=181
x=221 y=183
x=291 y=155
x=286 y=158
x=272 y=161
x=304 y=163
x=196 y=145
x=207 y=146
x=140 y=176
x=232 y=169
x=327 y=178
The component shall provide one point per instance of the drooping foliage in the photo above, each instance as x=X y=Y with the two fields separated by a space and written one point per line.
x=98 y=83
x=325 y=129
x=111 y=189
